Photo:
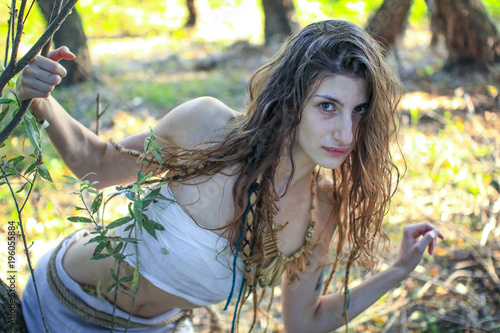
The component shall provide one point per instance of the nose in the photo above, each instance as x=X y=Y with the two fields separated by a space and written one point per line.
x=343 y=132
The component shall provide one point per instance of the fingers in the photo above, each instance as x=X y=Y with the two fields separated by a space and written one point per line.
x=61 y=53
x=429 y=240
x=39 y=78
x=418 y=229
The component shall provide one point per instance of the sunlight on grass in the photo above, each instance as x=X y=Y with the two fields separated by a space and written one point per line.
x=452 y=157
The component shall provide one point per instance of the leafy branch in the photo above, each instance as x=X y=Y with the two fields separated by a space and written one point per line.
x=141 y=197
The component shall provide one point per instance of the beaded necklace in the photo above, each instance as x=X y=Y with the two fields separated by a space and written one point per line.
x=270 y=276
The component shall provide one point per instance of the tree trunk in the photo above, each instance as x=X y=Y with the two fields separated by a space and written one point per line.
x=278 y=19
x=11 y=315
x=470 y=36
x=192 y=15
x=72 y=35
x=389 y=22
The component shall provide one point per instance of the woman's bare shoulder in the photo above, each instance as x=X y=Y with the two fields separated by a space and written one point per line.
x=193 y=122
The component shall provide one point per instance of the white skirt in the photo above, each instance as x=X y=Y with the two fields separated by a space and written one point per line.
x=61 y=319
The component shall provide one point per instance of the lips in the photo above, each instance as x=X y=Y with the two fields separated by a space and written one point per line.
x=337 y=152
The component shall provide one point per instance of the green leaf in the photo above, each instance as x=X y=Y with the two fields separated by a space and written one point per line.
x=88 y=174
x=138 y=213
x=127 y=278
x=150 y=230
x=98 y=249
x=154 y=145
x=7 y=175
x=6 y=101
x=33 y=132
x=109 y=247
x=114 y=275
x=152 y=226
x=129 y=227
x=81 y=219
x=130 y=240
x=140 y=175
x=156 y=195
x=149 y=175
x=30 y=169
x=3 y=113
x=16 y=160
x=111 y=288
x=99 y=239
x=44 y=172
x=22 y=187
x=73 y=179
x=119 y=222
x=130 y=196
x=157 y=155
x=135 y=279
x=118 y=247
x=98 y=292
x=92 y=190
x=97 y=203
x=156 y=225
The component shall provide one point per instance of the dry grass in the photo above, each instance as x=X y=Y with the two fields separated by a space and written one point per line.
x=450 y=138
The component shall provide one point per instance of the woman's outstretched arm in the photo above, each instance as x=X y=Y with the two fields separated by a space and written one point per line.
x=79 y=147
x=83 y=151
x=306 y=310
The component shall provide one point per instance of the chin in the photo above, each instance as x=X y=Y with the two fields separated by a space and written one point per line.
x=330 y=164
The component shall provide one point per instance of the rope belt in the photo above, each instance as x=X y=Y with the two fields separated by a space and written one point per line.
x=87 y=312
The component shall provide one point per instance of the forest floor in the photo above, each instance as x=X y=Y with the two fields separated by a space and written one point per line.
x=450 y=137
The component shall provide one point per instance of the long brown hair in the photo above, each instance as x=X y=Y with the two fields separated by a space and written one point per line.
x=265 y=134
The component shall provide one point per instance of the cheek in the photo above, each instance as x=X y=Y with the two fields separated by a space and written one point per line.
x=356 y=120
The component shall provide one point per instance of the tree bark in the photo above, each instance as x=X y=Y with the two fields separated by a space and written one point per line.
x=278 y=19
x=192 y=14
x=470 y=36
x=72 y=35
x=389 y=22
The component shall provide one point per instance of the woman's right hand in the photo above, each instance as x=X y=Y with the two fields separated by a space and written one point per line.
x=39 y=78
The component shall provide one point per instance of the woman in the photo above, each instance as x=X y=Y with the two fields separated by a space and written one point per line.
x=316 y=135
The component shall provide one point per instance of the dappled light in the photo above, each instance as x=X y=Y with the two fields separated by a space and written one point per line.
x=448 y=148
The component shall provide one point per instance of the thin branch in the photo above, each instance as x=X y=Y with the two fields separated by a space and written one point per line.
x=10 y=30
x=19 y=34
x=99 y=114
x=39 y=161
x=29 y=11
x=56 y=9
x=26 y=251
x=16 y=120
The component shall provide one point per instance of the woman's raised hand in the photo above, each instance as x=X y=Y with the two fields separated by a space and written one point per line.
x=39 y=78
x=416 y=238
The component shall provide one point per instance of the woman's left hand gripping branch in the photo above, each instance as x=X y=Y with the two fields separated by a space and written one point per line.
x=39 y=78
x=416 y=238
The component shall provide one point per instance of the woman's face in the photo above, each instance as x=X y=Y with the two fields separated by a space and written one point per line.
x=327 y=132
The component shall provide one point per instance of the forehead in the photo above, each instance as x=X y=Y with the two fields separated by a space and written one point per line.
x=342 y=86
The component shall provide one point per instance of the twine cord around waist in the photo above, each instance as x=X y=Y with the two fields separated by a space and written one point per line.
x=87 y=312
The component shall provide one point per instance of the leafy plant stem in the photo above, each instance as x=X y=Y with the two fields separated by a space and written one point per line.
x=26 y=250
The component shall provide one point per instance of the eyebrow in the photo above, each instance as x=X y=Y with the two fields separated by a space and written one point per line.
x=333 y=99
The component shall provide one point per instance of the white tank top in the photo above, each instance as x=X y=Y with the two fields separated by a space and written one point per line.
x=186 y=260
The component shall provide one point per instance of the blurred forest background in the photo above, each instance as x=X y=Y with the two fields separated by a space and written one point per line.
x=139 y=59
